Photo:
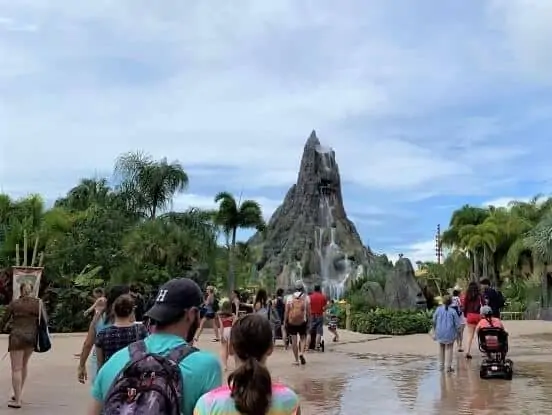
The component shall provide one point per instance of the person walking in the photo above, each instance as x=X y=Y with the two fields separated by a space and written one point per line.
x=23 y=314
x=318 y=303
x=445 y=328
x=493 y=297
x=103 y=318
x=250 y=389
x=457 y=306
x=473 y=301
x=210 y=314
x=297 y=317
x=175 y=388
x=123 y=332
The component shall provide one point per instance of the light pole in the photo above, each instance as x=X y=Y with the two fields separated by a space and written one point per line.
x=438 y=245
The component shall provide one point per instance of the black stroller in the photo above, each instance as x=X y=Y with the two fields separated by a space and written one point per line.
x=493 y=341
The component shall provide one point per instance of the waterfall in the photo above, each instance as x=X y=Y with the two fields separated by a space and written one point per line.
x=327 y=249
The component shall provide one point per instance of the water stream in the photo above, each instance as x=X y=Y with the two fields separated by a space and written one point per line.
x=334 y=280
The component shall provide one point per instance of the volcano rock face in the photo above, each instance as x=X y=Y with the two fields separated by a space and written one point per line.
x=309 y=236
x=402 y=290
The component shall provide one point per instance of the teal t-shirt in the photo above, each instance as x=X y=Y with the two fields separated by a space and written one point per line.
x=201 y=371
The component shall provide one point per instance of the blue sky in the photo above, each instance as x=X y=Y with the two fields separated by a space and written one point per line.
x=427 y=108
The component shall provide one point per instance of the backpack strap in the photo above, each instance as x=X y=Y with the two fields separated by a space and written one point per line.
x=137 y=350
x=181 y=352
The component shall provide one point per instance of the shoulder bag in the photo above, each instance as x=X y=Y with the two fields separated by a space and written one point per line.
x=43 y=341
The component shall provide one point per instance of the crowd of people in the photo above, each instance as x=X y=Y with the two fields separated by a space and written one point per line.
x=149 y=361
x=136 y=360
x=476 y=308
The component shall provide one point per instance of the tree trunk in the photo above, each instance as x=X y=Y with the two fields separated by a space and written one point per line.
x=496 y=270
x=231 y=267
x=475 y=275
x=485 y=263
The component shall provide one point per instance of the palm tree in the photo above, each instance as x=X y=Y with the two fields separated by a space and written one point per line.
x=479 y=239
x=149 y=185
x=231 y=216
x=87 y=193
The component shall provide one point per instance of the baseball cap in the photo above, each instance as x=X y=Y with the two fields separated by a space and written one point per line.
x=173 y=298
x=486 y=310
x=299 y=286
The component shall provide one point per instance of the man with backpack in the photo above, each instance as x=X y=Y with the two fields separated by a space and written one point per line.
x=297 y=318
x=494 y=298
x=162 y=374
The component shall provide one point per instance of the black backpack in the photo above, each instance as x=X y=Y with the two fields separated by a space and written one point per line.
x=216 y=304
x=149 y=384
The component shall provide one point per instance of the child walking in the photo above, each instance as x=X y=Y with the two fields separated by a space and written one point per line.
x=226 y=321
x=445 y=329
x=332 y=323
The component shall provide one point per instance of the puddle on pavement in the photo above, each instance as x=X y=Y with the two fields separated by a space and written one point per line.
x=415 y=386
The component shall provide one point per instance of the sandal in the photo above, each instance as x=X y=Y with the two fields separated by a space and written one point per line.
x=469 y=356
x=14 y=405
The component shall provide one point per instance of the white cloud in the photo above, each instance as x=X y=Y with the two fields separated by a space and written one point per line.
x=189 y=200
x=415 y=105
x=504 y=201
x=527 y=32
x=242 y=85
x=419 y=251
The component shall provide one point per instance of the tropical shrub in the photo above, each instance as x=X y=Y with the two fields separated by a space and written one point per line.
x=390 y=322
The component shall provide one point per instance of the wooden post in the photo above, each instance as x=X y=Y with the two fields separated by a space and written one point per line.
x=41 y=259
x=348 y=317
x=25 y=247
x=35 y=252
x=17 y=263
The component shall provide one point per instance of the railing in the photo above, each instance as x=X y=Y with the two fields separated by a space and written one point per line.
x=512 y=315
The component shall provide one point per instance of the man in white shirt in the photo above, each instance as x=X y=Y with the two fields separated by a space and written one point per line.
x=297 y=318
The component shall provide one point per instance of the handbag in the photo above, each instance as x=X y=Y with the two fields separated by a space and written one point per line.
x=43 y=342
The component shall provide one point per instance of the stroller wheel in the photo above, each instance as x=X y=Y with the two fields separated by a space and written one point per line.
x=483 y=373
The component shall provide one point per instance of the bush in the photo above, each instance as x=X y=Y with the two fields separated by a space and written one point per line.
x=390 y=322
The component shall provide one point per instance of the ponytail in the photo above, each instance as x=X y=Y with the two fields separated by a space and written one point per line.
x=251 y=387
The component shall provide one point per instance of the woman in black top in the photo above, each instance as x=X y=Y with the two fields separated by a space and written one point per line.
x=122 y=333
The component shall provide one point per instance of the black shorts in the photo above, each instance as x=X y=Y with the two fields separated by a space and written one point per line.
x=300 y=330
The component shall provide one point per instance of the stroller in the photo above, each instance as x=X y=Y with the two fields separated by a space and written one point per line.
x=493 y=341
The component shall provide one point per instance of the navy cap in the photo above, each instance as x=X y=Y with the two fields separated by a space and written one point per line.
x=173 y=298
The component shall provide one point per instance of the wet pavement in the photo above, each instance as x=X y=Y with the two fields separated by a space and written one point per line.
x=362 y=375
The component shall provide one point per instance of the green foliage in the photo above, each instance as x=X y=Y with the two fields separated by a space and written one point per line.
x=390 y=322
x=97 y=235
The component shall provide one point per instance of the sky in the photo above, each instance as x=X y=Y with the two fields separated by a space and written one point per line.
x=427 y=108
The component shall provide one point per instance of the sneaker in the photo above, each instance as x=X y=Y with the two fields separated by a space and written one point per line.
x=302 y=359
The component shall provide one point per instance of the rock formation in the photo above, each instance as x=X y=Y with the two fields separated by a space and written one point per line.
x=402 y=290
x=309 y=236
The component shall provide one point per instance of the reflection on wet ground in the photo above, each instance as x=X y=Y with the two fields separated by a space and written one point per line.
x=406 y=384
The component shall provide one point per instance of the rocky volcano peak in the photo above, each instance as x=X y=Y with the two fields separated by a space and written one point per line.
x=309 y=236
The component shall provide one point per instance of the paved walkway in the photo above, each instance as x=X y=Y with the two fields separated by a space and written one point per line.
x=53 y=389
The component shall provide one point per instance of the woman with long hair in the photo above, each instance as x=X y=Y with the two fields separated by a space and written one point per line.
x=23 y=314
x=261 y=302
x=210 y=313
x=445 y=328
x=102 y=319
x=473 y=301
x=250 y=388
x=121 y=333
